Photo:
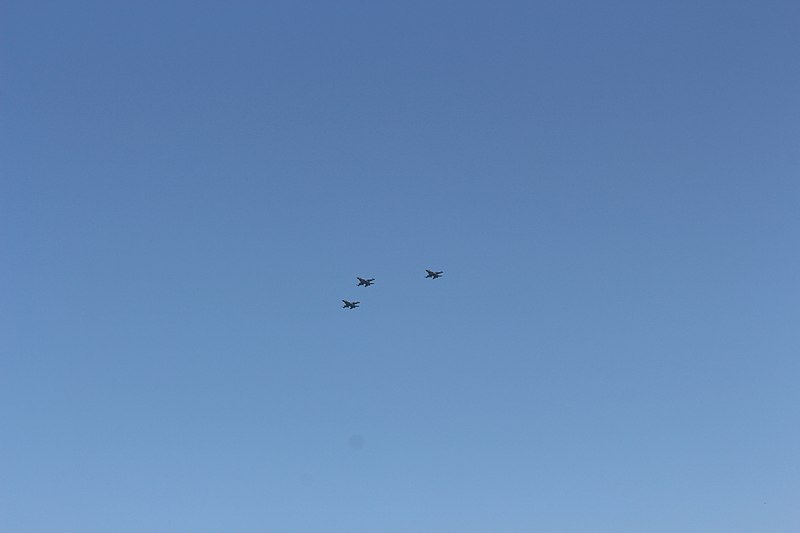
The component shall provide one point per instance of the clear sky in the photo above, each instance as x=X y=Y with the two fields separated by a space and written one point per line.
x=188 y=190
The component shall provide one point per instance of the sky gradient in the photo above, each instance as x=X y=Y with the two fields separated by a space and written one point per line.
x=188 y=190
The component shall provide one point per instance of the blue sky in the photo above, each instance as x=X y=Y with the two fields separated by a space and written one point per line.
x=189 y=189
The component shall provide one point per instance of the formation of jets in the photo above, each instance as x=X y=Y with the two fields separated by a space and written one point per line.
x=367 y=282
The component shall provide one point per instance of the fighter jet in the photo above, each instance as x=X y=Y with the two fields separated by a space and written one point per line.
x=350 y=305
x=432 y=274
x=365 y=282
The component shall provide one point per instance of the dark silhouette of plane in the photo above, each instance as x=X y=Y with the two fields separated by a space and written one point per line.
x=365 y=282
x=350 y=305
x=432 y=274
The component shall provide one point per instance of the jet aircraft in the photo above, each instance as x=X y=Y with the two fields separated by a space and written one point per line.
x=365 y=282
x=350 y=305
x=432 y=274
